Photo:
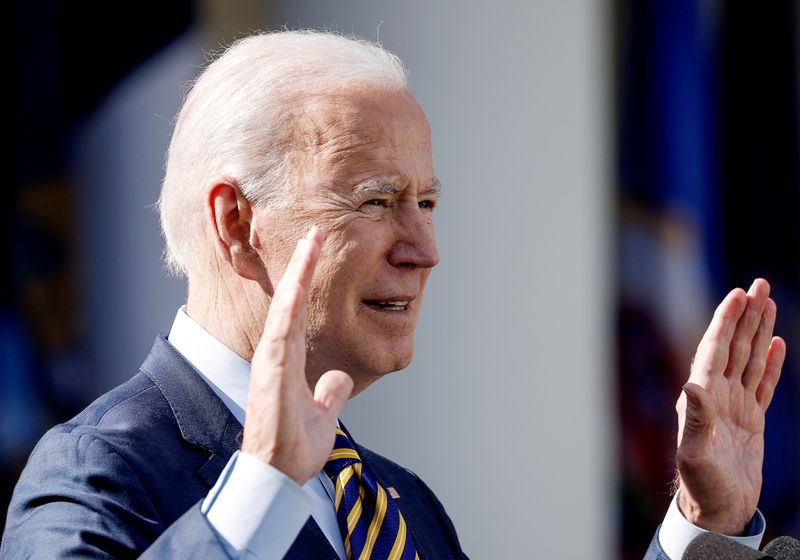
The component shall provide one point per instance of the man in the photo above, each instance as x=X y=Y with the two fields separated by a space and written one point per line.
x=298 y=201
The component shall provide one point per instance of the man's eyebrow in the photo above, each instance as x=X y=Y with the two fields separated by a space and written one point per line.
x=383 y=186
x=434 y=188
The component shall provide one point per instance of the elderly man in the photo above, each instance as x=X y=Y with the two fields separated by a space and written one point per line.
x=298 y=201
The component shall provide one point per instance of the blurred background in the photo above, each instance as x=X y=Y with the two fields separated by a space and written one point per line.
x=611 y=170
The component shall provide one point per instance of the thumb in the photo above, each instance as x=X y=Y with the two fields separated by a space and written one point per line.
x=332 y=391
x=699 y=410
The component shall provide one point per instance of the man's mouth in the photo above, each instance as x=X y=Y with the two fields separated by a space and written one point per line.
x=388 y=304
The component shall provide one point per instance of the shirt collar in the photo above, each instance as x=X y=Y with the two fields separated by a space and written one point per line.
x=227 y=373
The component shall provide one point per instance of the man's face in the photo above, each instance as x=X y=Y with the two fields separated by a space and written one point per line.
x=364 y=175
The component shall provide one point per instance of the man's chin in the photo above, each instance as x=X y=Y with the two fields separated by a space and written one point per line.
x=370 y=360
x=389 y=362
x=368 y=374
x=399 y=365
x=380 y=352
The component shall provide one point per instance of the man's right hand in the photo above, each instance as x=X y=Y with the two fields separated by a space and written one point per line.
x=286 y=425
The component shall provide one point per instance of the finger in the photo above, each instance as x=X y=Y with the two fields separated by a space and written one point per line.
x=754 y=370
x=286 y=315
x=290 y=292
x=332 y=391
x=303 y=261
x=698 y=415
x=680 y=408
x=742 y=343
x=772 y=372
x=712 y=352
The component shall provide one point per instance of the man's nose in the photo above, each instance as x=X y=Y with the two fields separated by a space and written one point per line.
x=415 y=244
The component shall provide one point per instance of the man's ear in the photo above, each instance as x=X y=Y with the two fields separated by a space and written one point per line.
x=231 y=216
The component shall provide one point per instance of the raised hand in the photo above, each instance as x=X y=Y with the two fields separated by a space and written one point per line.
x=286 y=425
x=721 y=412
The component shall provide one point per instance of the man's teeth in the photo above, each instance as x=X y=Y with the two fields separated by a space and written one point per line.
x=393 y=305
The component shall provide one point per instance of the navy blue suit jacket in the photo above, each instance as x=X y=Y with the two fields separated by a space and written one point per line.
x=125 y=478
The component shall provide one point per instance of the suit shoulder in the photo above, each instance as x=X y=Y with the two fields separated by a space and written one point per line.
x=123 y=454
x=134 y=420
x=386 y=465
x=127 y=407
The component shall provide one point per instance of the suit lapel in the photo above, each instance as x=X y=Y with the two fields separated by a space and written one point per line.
x=202 y=418
x=205 y=421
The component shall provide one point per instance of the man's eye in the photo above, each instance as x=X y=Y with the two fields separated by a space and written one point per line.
x=427 y=204
x=375 y=202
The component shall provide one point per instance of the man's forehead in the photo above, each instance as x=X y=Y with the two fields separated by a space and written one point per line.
x=365 y=140
x=355 y=117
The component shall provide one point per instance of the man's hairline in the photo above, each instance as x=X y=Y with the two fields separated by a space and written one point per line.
x=286 y=196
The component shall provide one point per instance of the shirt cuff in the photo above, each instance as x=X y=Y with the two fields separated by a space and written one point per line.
x=256 y=508
x=676 y=532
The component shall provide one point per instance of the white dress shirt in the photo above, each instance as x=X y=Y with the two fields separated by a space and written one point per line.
x=676 y=532
x=258 y=511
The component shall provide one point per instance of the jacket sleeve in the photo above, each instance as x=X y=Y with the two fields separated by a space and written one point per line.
x=79 y=498
x=654 y=551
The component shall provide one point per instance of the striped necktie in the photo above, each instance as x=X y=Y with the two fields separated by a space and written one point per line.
x=371 y=525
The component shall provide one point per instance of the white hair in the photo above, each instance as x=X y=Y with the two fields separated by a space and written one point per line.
x=235 y=123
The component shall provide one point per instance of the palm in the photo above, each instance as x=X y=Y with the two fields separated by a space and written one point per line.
x=721 y=412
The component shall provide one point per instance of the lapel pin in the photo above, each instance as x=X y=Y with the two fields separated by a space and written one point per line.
x=393 y=493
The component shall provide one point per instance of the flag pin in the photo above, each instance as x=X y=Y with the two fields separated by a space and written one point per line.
x=393 y=493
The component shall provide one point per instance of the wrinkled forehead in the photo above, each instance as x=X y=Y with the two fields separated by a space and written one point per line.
x=364 y=125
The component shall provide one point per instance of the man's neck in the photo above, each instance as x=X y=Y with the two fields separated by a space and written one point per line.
x=229 y=313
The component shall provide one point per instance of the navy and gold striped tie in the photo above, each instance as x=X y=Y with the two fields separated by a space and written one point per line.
x=371 y=525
